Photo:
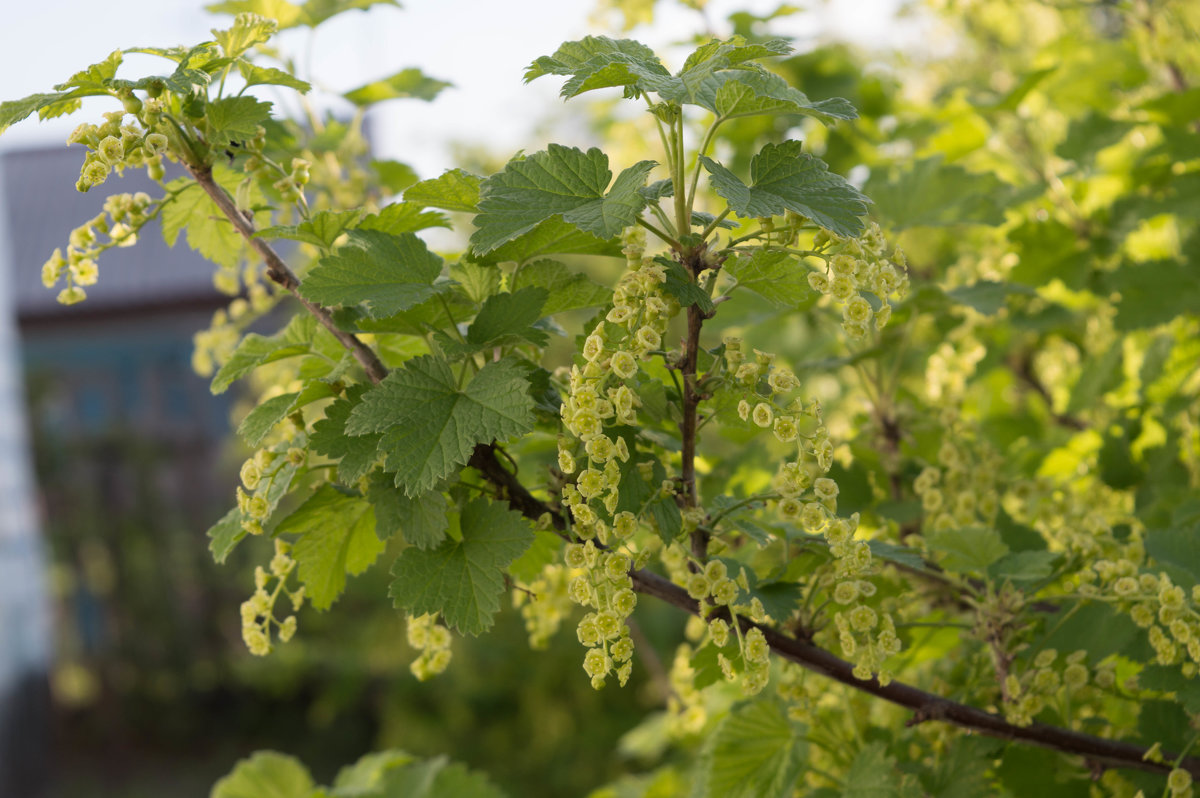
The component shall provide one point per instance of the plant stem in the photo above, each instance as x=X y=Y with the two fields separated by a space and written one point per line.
x=279 y=272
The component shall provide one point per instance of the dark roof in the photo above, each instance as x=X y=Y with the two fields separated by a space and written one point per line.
x=43 y=207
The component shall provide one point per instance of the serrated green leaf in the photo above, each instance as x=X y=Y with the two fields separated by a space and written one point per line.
x=286 y=14
x=225 y=534
x=356 y=454
x=932 y=193
x=430 y=426
x=565 y=290
x=463 y=579
x=782 y=177
x=262 y=419
x=321 y=230
x=208 y=231
x=394 y=175
x=1023 y=566
x=387 y=273
x=337 y=537
x=554 y=237
x=597 y=62
x=967 y=550
x=679 y=285
x=560 y=181
x=435 y=778
x=317 y=11
x=778 y=277
x=476 y=281
x=871 y=774
x=255 y=350
x=509 y=314
x=754 y=752
x=749 y=93
x=256 y=75
x=232 y=119
x=403 y=217
x=410 y=83
x=1177 y=550
x=421 y=520
x=365 y=777
x=454 y=190
x=987 y=296
x=14 y=111
x=246 y=32
x=266 y=774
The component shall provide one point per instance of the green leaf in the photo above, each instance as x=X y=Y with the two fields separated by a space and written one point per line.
x=565 y=290
x=1178 y=550
x=1024 y=566
x=560 y=181
x=407 y=83
x=463 y=579
x=394 y=175
x=987 y=296
x=1153 y=293
x=317 y=11
x=597 y=62
x=356 y=454
x=366 y=776
x=507 y=315
x=256 y=75
x=287 y=14
x=931 y=193
x=778 y=277
x=454 y=190
x=266 y=774
x=96 y=76
x=754 y=752
x=551 y=237
x=784 y=178
x=208 y=231
x=435 y=778
x=430 y=426
x=255 y=350
x=421 y=520
x=337 y=537
x=387 y=273
x=403 y=217
x=225 y=534
x=233 y=119
x=46 y=104
x=1100 y=375
x=679 y=285
x=476 y=281
x=746 y=93
x=246 y=32
x=967 y=550
x=321 y=230
x=872 y=774
x=262 y=419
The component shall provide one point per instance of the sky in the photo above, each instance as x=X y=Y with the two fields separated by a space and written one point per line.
x=481 y=46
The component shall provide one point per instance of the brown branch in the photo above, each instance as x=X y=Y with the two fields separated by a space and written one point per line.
x=1024 y=371
x=925 y=706
x=928 y=706
x=279 y=272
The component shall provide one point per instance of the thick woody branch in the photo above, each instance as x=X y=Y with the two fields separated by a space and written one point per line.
x=279 y=272
x=925 y=706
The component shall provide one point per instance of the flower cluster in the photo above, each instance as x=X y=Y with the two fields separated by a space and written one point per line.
x=264 y=475
x=1158 y=605
x=713 y=588
x=963 y=491
x=116 y=226
x=115 y=146
x=544 y=603
x=258 y=612
x=213 y=346
x=1028 y=694
x=952 y=364
x=603 y=584
x=432 y=639
x=855 y=266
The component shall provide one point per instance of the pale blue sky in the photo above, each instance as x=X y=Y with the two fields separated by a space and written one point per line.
x=482 y=46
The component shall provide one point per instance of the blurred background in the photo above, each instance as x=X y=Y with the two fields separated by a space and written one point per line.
x=122 y=671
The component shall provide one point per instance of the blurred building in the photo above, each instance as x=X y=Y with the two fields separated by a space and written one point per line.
x=101 y=400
